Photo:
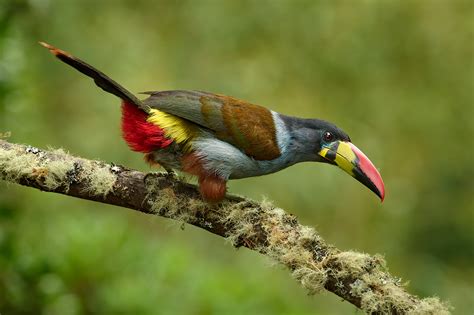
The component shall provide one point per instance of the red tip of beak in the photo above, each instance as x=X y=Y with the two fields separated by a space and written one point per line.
x=369 y=170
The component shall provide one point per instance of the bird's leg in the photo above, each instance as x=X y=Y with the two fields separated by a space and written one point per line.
x=170 y=173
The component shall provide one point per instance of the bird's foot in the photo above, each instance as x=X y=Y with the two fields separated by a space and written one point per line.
x=170 y=174
x=167 y=174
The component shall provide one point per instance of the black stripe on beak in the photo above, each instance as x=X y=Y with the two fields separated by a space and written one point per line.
x=332 y=152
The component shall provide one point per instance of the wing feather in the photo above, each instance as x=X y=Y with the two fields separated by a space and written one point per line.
x=247 y=126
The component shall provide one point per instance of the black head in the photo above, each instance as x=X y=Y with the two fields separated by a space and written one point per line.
x=321 y=141
x=319 y=134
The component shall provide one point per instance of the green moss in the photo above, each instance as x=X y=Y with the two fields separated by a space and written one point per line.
x=57 y=174
x=166 y=201
x=240 y=219
x=431 y=305
x=285 y=242
x=352 y=264
x=376 y=290
x=54 y=172
x=197 y=205
x=15 y=165
x=32 y=164
x=100 y=179
x=312 y=279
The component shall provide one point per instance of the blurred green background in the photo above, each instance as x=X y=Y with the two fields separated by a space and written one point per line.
x=396 y=75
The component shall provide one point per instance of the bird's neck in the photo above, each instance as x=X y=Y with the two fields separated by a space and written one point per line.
x=302 y=144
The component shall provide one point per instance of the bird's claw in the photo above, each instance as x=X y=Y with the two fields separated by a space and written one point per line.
x=167 y=174
x=170 y=174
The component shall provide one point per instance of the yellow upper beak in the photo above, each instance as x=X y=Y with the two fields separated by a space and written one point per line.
x=349 y=158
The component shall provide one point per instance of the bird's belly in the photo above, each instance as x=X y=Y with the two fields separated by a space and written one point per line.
x=229 y=162
x=253 y=171
x=251 y=168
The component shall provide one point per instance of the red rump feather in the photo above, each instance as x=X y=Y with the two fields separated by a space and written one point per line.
x=140 y=135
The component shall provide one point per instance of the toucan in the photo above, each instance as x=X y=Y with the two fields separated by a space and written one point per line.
x=218 y=138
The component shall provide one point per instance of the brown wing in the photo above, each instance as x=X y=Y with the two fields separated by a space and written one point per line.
x=247 y=126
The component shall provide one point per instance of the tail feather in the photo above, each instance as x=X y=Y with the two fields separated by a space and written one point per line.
x=102 y=80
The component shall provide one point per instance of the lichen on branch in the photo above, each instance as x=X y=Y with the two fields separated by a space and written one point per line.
x=358 y=278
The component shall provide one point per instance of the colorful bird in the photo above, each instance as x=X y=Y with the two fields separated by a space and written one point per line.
x=217 y=137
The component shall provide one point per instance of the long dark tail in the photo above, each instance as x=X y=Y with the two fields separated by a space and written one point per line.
x=102 y=80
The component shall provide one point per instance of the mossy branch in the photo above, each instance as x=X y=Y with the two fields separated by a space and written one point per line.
x=358 y=278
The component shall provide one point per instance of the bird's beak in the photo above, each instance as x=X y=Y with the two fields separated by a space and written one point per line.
x=348 y=157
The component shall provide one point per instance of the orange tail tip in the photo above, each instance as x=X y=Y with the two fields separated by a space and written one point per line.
x=54 y=50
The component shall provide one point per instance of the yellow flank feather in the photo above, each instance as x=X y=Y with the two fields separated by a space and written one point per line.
x=180 y=130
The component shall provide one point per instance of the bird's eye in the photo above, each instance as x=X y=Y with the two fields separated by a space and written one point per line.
x=328 y=137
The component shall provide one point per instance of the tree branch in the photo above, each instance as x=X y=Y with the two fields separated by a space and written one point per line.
x=358 y=278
